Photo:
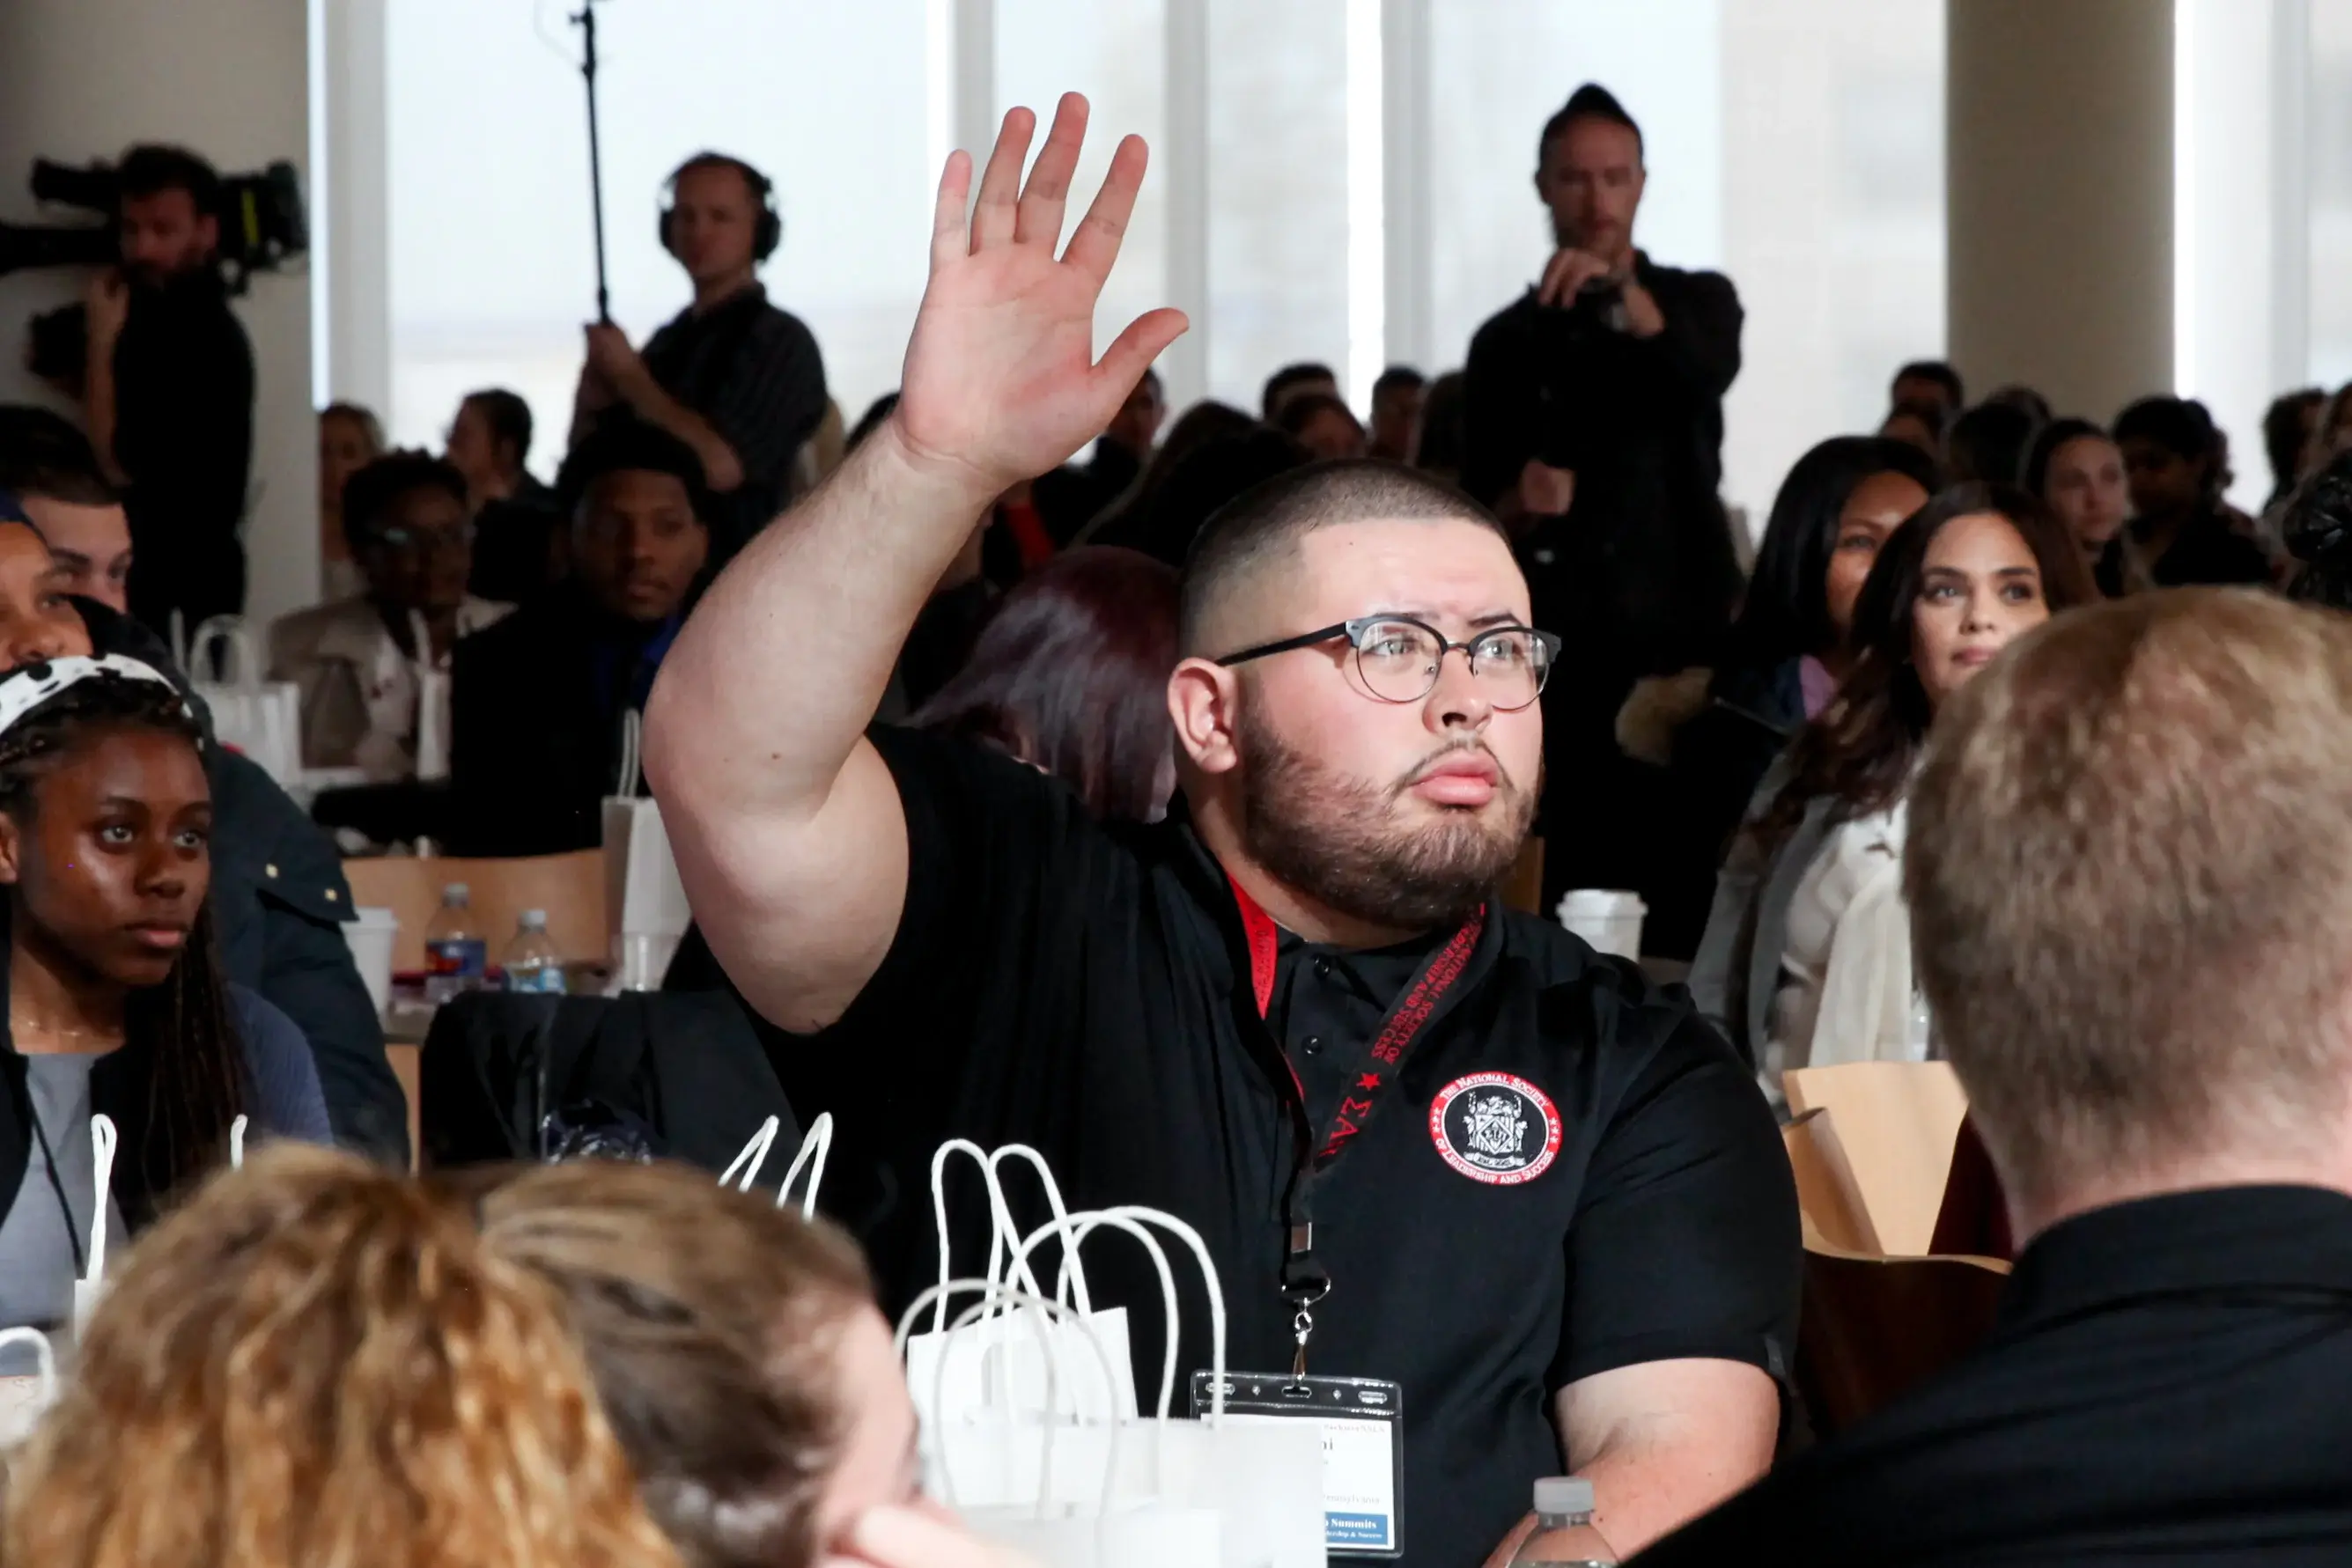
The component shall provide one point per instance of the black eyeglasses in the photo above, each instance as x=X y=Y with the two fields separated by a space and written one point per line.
x=1399 y=657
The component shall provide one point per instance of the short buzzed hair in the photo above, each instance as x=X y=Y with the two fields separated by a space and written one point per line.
x=2127 y=862
x=1253 y=532
x=44 y=458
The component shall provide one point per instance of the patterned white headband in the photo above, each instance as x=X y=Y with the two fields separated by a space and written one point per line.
x=34 y=685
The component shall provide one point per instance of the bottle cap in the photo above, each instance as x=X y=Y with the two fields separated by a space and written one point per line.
x=534 y=919
x=1563 y=1494
x=456 y=892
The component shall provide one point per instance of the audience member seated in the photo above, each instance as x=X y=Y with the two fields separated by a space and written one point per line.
x=49 y=467
x=349 y=438
x=1171 y=516
x=1931 y=385
x=1806 y=961
x=1194 y=428
x=2291 y=428
x=1325 y=426
x=1919 y=426
x=375 y=670
x=1438 y=453
x=117 y=1005
x=2318 y=531
x=537 y=701
x=1070 y=676
x=1397 y=396
x=1069 y=497
x=2076 y=470
x=314 y=1361
x=2179 y=534
x=1987 y=445
x=278 y=897
x=737 y=1350
x=1295 y=381
x=2024 y=398
x=2128 y=851
x=735 y=378
x=513 y=513
x=1786 y=656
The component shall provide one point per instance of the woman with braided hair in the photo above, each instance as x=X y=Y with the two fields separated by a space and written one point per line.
x=115 y=1001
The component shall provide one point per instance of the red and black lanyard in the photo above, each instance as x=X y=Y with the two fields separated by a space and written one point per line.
x=1305 y=1281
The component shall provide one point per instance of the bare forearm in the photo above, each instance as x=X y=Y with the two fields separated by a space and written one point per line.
x=778 y=672
x=98 y=408
x=1662 y=1442
x=721 y=468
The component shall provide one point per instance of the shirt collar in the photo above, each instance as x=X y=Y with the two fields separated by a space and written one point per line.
x=2184 y=1243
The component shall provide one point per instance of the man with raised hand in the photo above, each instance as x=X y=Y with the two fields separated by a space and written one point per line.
x=1431 y=1142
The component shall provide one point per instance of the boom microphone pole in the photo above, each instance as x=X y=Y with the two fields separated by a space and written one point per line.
x=586 y=22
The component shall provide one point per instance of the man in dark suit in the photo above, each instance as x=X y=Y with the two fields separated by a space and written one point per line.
x=539 y=702
x=2153 y=1021
x=1595 y=431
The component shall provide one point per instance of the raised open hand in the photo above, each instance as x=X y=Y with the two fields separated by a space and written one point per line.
x=1000 y=379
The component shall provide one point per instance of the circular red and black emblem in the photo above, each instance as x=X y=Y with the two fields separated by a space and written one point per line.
x=1495 y=1127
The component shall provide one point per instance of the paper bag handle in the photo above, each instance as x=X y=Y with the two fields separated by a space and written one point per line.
x=45 y=1358
x=633 y=745
x=816 y=1143
x=241 y=669
x=1001 y=1232
x=1071 y=1283
x=1130 y=1218
x=755 y=1153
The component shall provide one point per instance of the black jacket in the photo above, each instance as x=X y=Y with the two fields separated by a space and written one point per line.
x=183 y=431
x=2207 y=551
x=1644 y=564
x=279 y=901
x=534 y=746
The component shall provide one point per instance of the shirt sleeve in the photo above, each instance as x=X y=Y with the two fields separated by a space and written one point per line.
x=1499 y=400
x=773 y=400
x=288 y=1100
x=1685 y=1243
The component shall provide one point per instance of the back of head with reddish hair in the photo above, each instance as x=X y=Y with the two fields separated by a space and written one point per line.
x=1071 y=673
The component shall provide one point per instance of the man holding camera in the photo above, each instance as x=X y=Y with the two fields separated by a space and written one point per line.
x=167 y=388
x=1595 y=430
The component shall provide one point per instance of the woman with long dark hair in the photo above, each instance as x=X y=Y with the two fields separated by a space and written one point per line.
x=1070 y=676
x=1786 y=654
x=116 y=1005
x=1806 y=958
x=2076 y=470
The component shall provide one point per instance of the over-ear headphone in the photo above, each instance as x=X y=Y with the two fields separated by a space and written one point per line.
x=767 y=229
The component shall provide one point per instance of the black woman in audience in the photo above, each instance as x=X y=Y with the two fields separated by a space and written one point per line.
x=116 y=1006
x=316 y=1361
x=2076 y=470
x=2179 y=533
x=1806 y=960
x=279 y=894
x=1785 y=656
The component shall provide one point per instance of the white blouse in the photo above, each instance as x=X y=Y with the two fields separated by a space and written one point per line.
x=1845 y=974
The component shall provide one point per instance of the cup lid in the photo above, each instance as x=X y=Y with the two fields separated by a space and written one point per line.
x=1601 y=900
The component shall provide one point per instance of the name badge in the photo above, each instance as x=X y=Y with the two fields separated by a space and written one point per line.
x=1363 y=1452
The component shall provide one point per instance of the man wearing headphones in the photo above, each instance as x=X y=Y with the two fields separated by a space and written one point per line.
x=736 y=379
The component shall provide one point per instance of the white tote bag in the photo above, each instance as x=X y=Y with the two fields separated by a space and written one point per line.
x=646 y=912
x=1005 y=1359
x=263 y=719
x=1153 y=1493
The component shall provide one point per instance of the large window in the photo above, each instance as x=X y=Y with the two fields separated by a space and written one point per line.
x=1798 y=147
x=2327 y=147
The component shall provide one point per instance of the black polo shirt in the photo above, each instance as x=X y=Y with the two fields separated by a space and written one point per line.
x=1571 y=1173
x=2169 y=1381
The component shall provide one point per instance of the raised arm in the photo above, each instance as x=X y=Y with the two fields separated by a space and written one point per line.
x=788 y=830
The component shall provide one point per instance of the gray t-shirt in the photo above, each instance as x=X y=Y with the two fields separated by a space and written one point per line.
x=37 y=1252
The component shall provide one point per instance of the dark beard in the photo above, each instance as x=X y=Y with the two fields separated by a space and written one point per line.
x=1335 y=838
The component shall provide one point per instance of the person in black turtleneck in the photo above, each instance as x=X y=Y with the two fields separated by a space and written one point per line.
x=537 y=701
x=167 y=390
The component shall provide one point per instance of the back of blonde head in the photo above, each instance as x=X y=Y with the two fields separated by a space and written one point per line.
x=315 y=1363
x=2129 y=870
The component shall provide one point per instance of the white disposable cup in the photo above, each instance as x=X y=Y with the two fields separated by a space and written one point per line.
x=640 y=959
x=1608 y=918
x=372 y=935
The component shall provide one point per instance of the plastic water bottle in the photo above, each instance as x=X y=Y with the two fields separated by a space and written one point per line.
x=530 y=961
x=1564 y=1536
x=455 y=956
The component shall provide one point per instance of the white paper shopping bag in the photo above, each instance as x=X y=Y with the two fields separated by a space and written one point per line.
x=262 y=719
x=646 y=913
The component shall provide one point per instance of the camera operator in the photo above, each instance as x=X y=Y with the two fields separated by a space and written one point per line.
x=167 y=388
x=1595 y=430
x=736 y=379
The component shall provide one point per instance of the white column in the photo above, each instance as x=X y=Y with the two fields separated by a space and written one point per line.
x=353 y=212
x=972 y=85
x=2240 y=251
x=1367 y=217
x=1411 y=222
x=230 y=78
x=2059 y=193
x=1183 y=163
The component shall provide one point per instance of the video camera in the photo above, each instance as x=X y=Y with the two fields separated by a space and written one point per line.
x=262 y=226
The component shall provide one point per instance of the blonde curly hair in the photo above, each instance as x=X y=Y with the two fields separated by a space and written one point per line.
x=315 y=1363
